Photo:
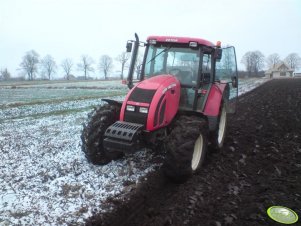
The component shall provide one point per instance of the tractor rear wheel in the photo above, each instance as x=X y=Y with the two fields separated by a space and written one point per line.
x=218 y=136
x=93 y=134
x=185 y=148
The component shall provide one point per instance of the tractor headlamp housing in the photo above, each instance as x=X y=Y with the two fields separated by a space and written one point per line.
x=130 y=108
x=143 y=110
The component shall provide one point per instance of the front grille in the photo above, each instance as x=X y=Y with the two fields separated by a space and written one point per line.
x=142 y=95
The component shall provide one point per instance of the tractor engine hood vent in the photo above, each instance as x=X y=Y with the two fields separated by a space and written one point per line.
x=142 y=95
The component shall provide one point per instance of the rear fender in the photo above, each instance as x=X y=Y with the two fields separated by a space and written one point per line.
x=214 y=100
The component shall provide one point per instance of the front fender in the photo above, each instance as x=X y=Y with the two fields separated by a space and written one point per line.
x=112 y=102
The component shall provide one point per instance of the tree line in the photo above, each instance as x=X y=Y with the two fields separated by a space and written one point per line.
x=32 y=65
x=255 y=61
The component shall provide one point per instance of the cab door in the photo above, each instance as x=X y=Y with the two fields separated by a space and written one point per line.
x=226 y=72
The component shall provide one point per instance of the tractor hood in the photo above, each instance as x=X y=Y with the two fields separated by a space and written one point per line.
x=154 y=82
x=152 y=102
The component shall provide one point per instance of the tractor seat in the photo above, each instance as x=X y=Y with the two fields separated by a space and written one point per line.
x=185 y=77
x=186 y=98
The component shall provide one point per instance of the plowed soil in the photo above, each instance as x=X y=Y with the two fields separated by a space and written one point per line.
x=259 y=166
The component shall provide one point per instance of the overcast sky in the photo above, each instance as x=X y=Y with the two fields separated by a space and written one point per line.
x=70 y=28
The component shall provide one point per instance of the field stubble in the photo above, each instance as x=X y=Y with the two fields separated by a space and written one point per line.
x=44 y=177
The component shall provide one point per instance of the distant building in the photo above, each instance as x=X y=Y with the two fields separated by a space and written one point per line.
x=279 y=71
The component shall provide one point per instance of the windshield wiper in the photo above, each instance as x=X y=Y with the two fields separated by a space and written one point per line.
x=162 y=51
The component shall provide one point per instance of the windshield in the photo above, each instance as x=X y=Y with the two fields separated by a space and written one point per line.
x=179 y=61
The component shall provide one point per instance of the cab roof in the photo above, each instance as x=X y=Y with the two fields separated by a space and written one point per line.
x=175 y=39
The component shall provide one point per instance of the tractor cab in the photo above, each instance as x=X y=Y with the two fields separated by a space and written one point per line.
x=196 y=63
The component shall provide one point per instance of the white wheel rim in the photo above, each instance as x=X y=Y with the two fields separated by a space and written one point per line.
x=221 y=126
x=197 y=153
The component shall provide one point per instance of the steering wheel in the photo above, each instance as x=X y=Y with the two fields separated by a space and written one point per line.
x=175 y=71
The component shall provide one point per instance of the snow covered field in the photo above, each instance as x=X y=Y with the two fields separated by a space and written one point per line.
x=44 y=177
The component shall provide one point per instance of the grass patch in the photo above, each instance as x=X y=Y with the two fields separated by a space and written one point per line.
x=20 y=214
x=52 y=113
x=60 y=99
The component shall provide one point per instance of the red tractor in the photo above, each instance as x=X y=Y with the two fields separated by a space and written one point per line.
x=179 y=105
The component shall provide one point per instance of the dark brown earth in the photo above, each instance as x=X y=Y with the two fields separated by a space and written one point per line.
x=259 y=166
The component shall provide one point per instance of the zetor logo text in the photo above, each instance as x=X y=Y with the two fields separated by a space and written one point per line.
x=171 y=40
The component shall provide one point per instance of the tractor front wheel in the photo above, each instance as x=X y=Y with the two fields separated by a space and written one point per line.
x=185 y=148
x=93 y=134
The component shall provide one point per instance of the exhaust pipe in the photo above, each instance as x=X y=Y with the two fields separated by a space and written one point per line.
x=133 y=61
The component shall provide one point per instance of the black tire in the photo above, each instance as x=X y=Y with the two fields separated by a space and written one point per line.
x=93 y=132
x=180 y=162
x=218 y=136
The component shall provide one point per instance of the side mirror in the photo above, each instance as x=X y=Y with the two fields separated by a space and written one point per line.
x=129 y=46
x=234 y=81
x=218 y=53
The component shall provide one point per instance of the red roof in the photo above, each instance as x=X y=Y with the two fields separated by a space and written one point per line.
x=180 y=40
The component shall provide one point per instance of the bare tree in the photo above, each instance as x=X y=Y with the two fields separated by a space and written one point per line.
x=105 y=64
x=247 y=61
x=30 y=63
x=254 y=61
x=85 y=65
x=4 y=74
x=293 y=60
x=48 y=65
x=122 y=59
x=273 y=60
x=258 y=61
x=67 y=65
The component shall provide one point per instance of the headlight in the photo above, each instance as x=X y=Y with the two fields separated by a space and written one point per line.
x=143 y=110
x=130 y=108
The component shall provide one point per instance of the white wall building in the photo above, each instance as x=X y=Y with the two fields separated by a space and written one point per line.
x=279 y=71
